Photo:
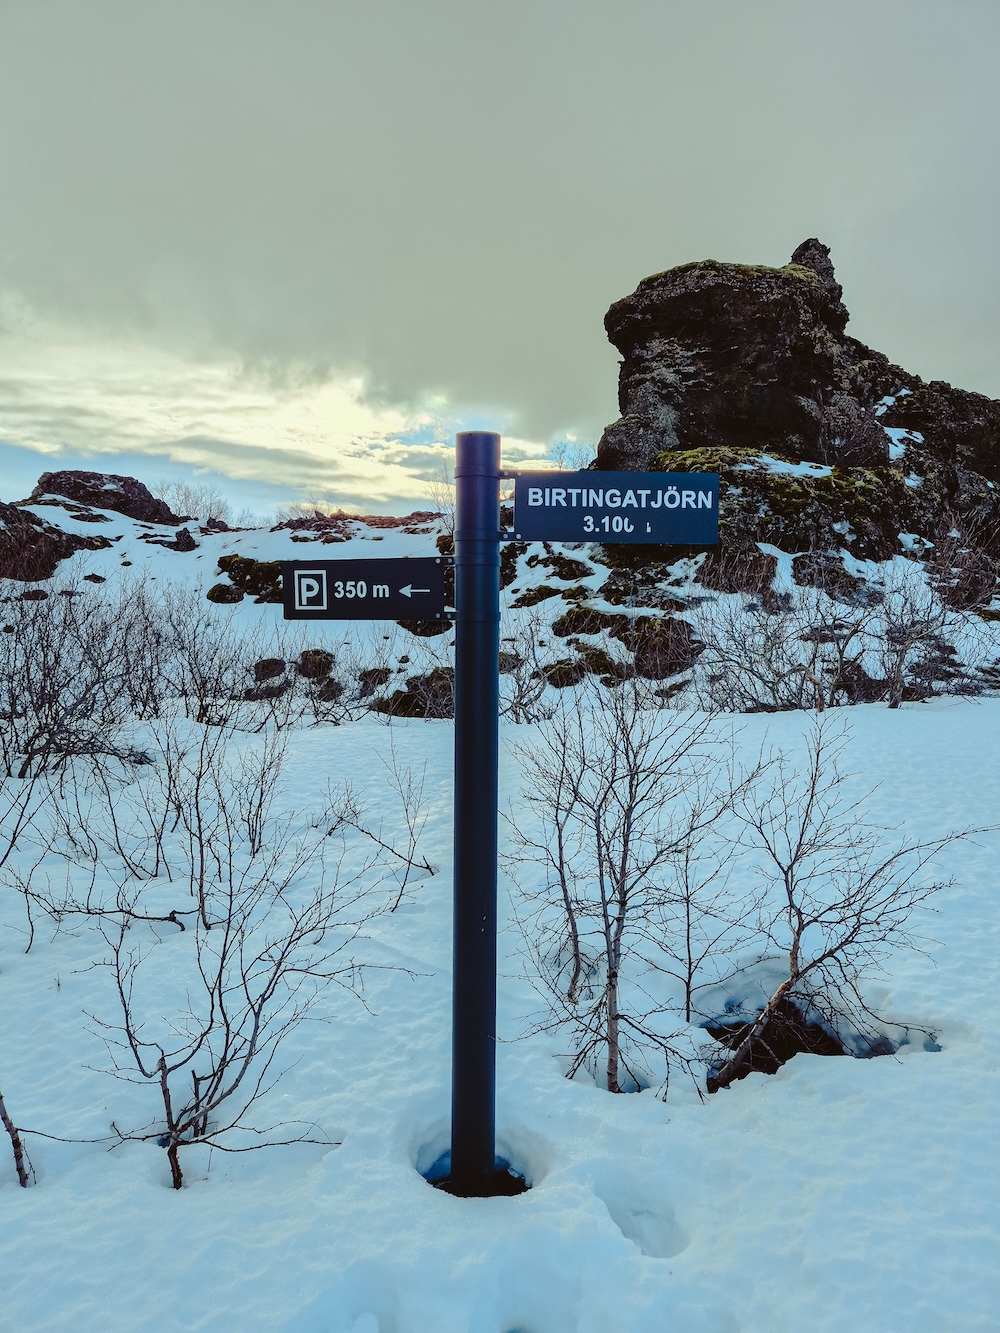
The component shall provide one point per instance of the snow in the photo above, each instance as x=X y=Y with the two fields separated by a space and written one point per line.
x=836 y=1195
x=913 y=542
x=783 y=580
x=898 y=438
x=789 y=469
x=885 y=403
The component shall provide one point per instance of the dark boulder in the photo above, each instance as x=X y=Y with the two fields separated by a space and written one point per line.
x=224 y=593
x=743 y=356
x=747 y=371
x=314 y=663
x=267 y=668
x=103 y=490
x=371 y=679
x=260 y=578
x=430 y=695
x=181 y=541
x=31 y=548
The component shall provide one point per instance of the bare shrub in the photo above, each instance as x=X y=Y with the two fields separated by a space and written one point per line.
x=207 y=660
x=525 y=695
x=959 y=564
x=909 y=624
x=891 y=641
x=258 y=968
x=73 y=670
x=840 y=896
x=278 y=914
x=203 y=500
x=757 y=660
x=63 y=681
x=263 y=912
x=314 y=505
x=407 y=863
x=619 y=788
x=440 y=492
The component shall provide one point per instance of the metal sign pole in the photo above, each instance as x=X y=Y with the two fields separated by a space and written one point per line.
x=477 y=647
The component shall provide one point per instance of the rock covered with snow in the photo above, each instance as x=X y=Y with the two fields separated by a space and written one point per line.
x=31 y=549
x=103 y=490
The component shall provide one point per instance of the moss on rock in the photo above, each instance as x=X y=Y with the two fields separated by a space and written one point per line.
x=260 y=578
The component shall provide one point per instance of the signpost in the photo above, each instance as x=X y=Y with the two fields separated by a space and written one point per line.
x=477 y=705
x=364 y=589
x=641 y=507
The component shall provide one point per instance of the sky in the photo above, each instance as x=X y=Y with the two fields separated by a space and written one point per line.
x=291 y=248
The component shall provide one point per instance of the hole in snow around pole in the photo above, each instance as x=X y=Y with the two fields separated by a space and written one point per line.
x=507 y=1181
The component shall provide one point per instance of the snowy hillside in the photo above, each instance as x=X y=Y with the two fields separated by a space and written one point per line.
x=836 y=1194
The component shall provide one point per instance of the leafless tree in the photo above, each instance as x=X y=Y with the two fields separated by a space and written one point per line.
x=909 y=620
x=194 y=500
x=841 y=896
x=618 y=788
x=205 y=502
x=573 y=455
x=440 y=491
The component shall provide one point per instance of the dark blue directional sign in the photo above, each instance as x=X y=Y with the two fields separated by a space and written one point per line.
x=661 y=507
x=363 y=589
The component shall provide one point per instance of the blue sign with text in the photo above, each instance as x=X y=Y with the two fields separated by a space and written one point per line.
x=662 y=507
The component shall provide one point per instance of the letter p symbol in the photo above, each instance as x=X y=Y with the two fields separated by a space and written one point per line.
x=310 y=590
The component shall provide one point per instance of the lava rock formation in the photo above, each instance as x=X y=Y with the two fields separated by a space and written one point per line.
x=744 y=370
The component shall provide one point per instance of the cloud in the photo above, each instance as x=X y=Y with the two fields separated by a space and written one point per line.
x=443 y=198
x=95 y=400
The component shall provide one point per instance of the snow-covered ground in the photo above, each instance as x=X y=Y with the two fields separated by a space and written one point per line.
x=838 y=1194
x=847 y=1195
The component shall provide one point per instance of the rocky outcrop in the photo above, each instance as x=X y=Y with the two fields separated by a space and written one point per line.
x=329 y=528
x=428 y=695
x=181 y=541
x=102 y=490
x=747 y=371
x=261 y=579
x=31 y=548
